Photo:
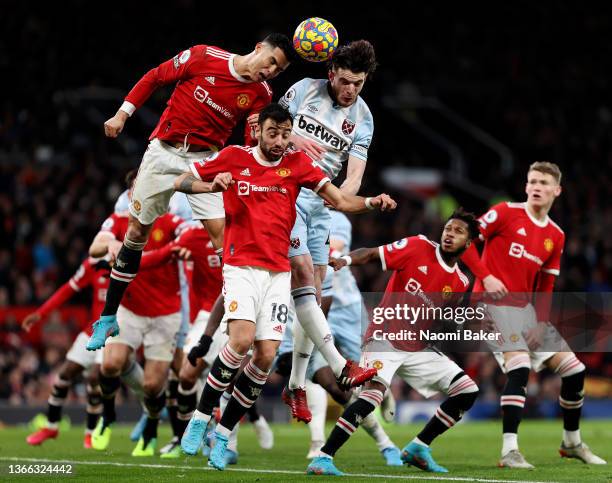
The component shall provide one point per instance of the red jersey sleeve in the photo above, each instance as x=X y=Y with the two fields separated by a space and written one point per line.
x=206 y=170
x=552 y=266
x=396 y=255
x=184 y=65
x=493 y=220
x=310 y=175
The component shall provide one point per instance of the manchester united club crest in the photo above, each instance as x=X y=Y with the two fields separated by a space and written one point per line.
x=233 y=306
x=137 y=206
x=548 y=245
x=378 y=365
x=295 y=243
x=243 y=101
x=158 y=235
x=447 y=291
x=347 y=127
x=283 y=172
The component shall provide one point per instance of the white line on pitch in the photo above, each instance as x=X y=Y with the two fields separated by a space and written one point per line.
x=254 y=470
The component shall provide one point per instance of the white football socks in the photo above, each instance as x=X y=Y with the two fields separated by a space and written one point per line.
x=317 y=403
x=134 y=378
x=571 y=438
x=302 y=350
x=311 y=318
x=510 y=443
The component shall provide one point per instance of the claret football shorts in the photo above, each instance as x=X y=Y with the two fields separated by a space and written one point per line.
x=154 y=184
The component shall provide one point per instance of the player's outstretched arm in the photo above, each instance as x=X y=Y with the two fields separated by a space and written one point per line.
x=114 y=126
x=354 y=174
x=101 y=245
x=188 y=183
x=355 y=204
x=361 y=256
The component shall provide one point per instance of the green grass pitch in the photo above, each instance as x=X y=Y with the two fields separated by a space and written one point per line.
x=470 y=451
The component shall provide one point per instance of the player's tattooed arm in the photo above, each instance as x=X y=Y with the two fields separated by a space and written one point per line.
x=361 y=256
x=188 y=183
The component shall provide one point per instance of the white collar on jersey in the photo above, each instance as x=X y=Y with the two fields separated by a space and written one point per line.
x=232 y=69
x=263 y=162
x=443 y=263
x=536 y=222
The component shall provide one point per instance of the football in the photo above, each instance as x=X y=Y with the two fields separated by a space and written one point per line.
x=315 y=39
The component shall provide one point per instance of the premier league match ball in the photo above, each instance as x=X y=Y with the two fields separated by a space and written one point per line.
x=315 y=39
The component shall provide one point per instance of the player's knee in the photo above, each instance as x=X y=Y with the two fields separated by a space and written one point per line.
x=302 y=271
x=112 y=366
x=572 y=373
x=239 y=342
x=188 y=375
x=137 y=232
x=152 y=387
x=263 y=358
x=463 y=391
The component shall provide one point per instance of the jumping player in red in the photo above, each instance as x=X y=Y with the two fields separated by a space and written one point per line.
x=262 y=185
x=424 y=274
x=214 y=91
x=523 y=248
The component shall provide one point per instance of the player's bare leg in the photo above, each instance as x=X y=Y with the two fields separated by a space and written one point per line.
x=124 y=271
x=116 y=360
x=155 y=375
x=517 y=366
x=94 y=403
x=572 y=373
x=67 y=375
x=215 y=228
x=172 y=405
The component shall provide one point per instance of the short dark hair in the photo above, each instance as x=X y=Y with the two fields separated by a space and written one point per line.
x=276 y=112
x=469 y=218
x=282 y=42
x=358 y=56
x=130 y=176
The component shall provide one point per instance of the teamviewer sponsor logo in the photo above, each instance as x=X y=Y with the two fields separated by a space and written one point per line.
x=516 y=250
x=201 y=95
x=243 y=188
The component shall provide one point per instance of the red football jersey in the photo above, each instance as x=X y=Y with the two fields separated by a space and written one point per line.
x=209 y=99
x=260 y=205
x=206 y=278
x=420 y=278
x=153 y=292
x=517 y=247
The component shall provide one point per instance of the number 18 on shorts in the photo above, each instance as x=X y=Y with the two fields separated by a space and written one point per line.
x=258 y=295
